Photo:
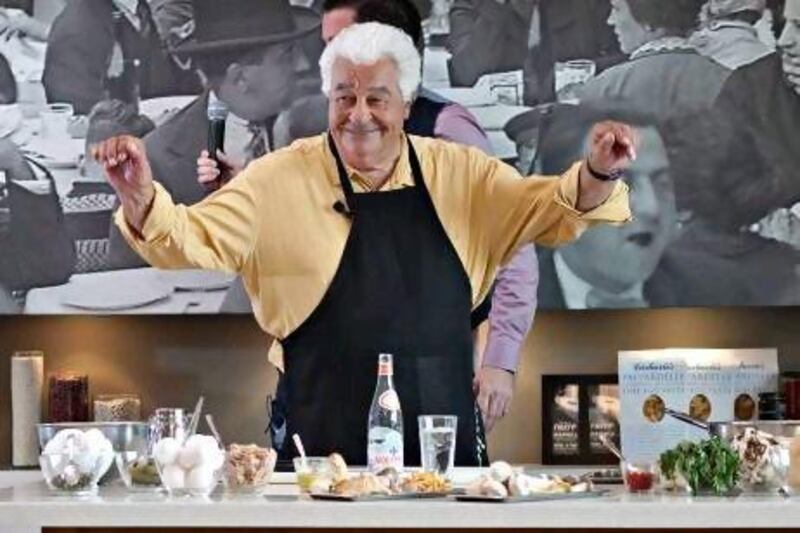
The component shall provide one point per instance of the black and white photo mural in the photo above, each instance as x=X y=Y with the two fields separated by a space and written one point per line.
x=712 y=86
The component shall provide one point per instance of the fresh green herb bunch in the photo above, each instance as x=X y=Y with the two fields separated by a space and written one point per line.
x=706 y=465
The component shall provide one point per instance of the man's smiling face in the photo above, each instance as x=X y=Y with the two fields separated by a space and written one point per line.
x=366 y=112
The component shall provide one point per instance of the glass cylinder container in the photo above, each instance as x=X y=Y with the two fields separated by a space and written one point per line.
x=117 y=408
x=27 y=380
x=68 y=398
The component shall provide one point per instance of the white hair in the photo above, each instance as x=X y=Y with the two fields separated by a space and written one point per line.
x=368 y=43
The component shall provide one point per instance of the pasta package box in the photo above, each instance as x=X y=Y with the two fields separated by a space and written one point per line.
x=712 y=385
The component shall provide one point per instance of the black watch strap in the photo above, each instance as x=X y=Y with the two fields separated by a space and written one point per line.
x=614 y=175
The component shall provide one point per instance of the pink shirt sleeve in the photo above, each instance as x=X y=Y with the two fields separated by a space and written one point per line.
x=514 y=298
x=513 y=308
x=455 y=123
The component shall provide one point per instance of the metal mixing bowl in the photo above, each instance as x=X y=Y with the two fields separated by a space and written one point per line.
x=124 y=437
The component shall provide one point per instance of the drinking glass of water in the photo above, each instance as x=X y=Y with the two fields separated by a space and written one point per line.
x=571 y=76
x=437 y=443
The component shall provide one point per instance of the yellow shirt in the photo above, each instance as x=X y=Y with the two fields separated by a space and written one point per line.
x=275 y=225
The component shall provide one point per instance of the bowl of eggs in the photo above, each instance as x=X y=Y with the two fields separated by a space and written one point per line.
x=191 y=468
x=73 y=461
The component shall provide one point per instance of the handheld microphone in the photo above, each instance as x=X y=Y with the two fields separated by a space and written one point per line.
x=217 y=112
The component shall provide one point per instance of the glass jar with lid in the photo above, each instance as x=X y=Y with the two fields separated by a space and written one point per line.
x=117 y=408
x=68 y=397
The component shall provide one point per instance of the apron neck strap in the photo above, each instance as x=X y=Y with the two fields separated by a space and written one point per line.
x=344 y=179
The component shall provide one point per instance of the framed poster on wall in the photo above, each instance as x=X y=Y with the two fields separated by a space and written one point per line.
x=576 y=411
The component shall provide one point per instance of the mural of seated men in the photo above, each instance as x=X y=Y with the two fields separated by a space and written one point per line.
x=488 y=36
x=635 y=265
x=92 y=45
x=665 y=75
x=728 y=34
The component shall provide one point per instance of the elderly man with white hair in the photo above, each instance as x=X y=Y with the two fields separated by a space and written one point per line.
x=365 y=240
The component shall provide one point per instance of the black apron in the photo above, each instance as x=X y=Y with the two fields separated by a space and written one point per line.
x=400 y=289
x=422 y=123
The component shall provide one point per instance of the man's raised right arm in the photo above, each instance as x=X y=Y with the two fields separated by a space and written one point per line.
x=218 y=233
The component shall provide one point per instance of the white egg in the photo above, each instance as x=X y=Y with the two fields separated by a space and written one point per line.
x=59 y=440
x=190 y=456
x=200 y=478
x=96 y=440
x=71 y=475
x=500 y=471
x=195 y=441
x=216 y=459
x=166 y=451
x=201 y=450
x=84 y=459
x=173 y=477
x=494 y=489
x=103 y=462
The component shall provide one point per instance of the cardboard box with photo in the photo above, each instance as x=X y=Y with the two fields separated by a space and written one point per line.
x=710 y=385
x=576 y=410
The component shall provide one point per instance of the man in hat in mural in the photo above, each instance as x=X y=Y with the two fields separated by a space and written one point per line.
x=366 y=240
x=248 y=52
x=728 y=35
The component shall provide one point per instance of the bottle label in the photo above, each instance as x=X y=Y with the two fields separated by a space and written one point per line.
x=384 y=449
x=389 y=400
x=385 y=368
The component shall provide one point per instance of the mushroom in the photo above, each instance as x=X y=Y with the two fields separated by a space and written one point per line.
x=500 y=471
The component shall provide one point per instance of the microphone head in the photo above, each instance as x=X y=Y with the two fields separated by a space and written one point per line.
x=217 y=109
x=341 y=208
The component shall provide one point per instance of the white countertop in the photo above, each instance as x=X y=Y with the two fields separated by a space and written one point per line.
x=25 y=502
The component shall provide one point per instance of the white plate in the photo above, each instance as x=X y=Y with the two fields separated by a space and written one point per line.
x=114 y=291
x=161 y=109
x=497 y=116
x=196 y=280
x=61 y=153
x=468 y=96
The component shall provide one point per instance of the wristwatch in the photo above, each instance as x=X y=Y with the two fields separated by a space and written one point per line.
x=614 y=175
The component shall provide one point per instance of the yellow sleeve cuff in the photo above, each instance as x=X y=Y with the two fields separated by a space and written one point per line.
x=158 y=223
x=615 y=210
